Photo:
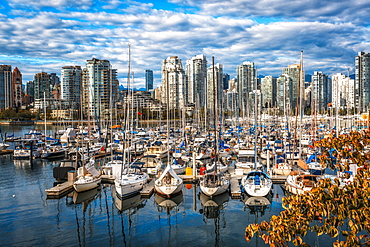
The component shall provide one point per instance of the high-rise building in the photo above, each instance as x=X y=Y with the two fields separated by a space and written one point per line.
x=343 y=92
x=174 y=83
x=99 y=88
x=71 y=80
x=268 y=90
x=148 y=80
x=362 y=81
x=5 y=87
x=30 y=91
x=42 y=85
x=17 y=88
x=247 y=78
x=225 y=81
x=284 y=93
x=196 y=72
x=214 y=86
x=320 y=99
x=294 y=72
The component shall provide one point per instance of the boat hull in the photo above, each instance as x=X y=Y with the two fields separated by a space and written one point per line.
x=127 y=186
x=86 y=185
x=169 y=189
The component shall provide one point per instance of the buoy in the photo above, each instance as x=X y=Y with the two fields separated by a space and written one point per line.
x=188 y=186
x=189 y=171
x=202 y=170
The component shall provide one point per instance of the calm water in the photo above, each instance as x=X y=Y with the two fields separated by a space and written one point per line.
x=98 y=218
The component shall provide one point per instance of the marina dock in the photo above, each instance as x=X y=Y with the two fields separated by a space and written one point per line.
x=148 y=189
x=59 y=190
x=62 y=189
x=235 y=191
x=278 y=179
x=6 y=151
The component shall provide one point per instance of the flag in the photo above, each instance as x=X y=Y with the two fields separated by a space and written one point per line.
x=139 y=113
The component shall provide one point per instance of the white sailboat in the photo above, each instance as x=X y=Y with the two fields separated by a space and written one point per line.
x=169 y=183
x=88 y=177
x=256 y=183
x=131 y=179
x=215 y=182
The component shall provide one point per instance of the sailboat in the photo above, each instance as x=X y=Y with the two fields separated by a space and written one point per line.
x=131 y=178
x=256 y=183
x=88 y=177
x=215 y=182
x=169 y=183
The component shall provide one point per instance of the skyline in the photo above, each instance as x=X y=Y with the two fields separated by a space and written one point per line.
x=45 y=36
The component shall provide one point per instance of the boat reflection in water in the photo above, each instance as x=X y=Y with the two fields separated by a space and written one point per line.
x=128 y=204
x=258 y=204
x=211 y=207
x=27 y=163
x=85 y=197
x=168 y=203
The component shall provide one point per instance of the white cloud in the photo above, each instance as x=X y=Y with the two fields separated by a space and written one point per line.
x=51 y=40
x=58 y=4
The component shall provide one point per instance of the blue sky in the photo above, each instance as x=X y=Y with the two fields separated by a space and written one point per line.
x=42 y=35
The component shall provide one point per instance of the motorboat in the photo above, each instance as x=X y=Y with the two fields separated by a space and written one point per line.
x=299 y=183
x=246 y=160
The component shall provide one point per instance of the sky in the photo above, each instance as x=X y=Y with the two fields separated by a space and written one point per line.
x=43 y=35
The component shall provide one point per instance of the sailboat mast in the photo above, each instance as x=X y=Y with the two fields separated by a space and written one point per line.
x=45 y=113
x=215 y=103
x=301 y=97
x=127 y=104
x=167 y=118
x=255 y=120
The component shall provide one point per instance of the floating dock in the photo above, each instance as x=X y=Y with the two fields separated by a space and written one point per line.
x=190 y=178
x=59 y=190
x=148 y=189
x=109 y=179
x=235 y=191
x=278 y=179
x=6 y=151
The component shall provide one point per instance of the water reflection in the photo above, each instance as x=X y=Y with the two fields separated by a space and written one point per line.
x=129 y=204
x=211 y=207
x=258 y=205
x=167 y=204
x=27 y=163
x=85 y=197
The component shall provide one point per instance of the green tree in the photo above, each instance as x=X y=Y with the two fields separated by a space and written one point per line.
x=330 y=207
x=8 y=114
